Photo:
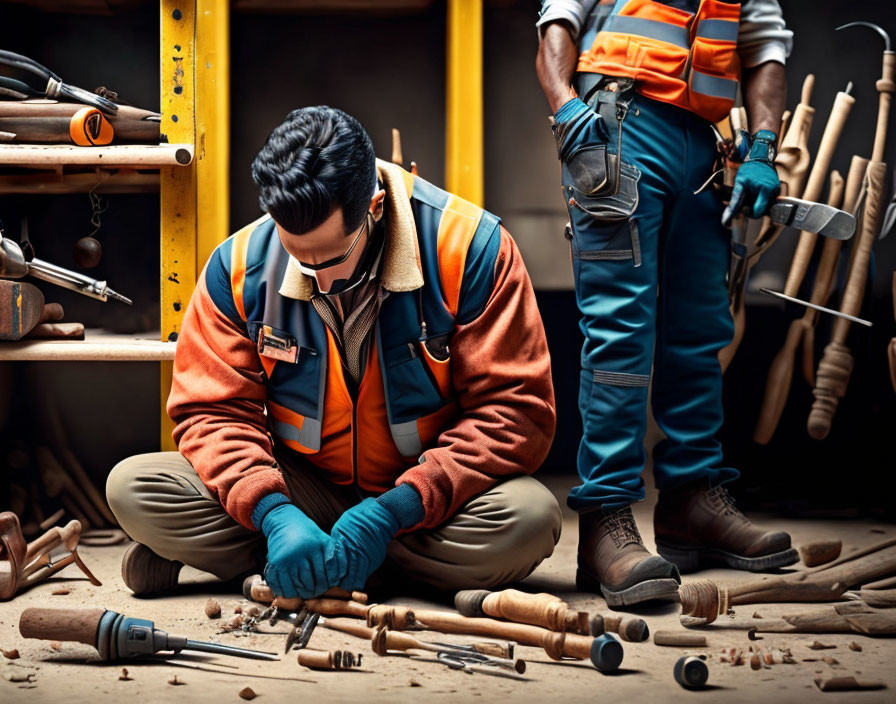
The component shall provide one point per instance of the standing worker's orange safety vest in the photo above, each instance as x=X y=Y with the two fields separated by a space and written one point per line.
x=675 y=56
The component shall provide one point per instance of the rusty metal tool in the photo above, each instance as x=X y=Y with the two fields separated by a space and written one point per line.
x=118 y=637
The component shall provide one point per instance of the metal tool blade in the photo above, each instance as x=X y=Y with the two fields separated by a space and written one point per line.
x=807 y=216
x=229 y=650
x=776 y=294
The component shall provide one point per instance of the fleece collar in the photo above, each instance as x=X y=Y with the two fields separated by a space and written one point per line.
x=401 y=270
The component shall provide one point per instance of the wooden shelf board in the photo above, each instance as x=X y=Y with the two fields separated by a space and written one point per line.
x=57 y=181
x=137 y=155
x=98 y=346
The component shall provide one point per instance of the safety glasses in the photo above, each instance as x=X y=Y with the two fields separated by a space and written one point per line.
x=312 y=269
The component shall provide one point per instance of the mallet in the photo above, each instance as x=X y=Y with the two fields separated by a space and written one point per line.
x=117 y=637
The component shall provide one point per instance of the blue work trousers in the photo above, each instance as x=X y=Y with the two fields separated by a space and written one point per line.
x=650 y=264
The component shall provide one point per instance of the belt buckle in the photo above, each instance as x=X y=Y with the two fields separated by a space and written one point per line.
x=282 y=348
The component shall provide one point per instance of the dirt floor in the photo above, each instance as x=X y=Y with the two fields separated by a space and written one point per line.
x=73 y=673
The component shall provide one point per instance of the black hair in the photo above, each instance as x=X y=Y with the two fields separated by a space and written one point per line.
x=318 y=159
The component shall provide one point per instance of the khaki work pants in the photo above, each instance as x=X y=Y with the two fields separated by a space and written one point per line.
x=497 y=537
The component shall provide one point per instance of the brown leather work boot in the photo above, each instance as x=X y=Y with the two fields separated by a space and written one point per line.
x=612 y=556
x=147 y=574
x=699 y=525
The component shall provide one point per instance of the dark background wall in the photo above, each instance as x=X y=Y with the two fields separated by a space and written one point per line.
x=389 y=71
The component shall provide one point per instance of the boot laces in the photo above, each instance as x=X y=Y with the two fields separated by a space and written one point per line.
x=621 y=527
x=723 y=502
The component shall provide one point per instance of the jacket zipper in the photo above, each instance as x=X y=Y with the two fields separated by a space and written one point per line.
x=354 y=400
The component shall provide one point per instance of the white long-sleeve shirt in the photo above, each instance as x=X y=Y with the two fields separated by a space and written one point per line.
x=763 y=35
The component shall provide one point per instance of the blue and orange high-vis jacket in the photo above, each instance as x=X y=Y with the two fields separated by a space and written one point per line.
x=686 y=58
x=451 y=427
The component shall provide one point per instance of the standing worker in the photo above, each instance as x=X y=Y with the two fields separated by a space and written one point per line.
x=650 y=257
x=361 y=372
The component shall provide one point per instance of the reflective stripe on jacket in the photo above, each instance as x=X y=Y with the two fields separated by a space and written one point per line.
x=458 y=368
x=688 y=59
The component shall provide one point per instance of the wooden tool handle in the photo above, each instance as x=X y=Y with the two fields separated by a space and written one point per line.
x=542 y=610
x=777 y=385
x=842 y=105
x=631 y=629
x=76 y=625
x=806 y=92
x=349 y=625
x=316 y=659
x=836 y=365
x=384 y=640
x=256 y=589
x=397 y=157
x=566 y=645
x=336 y=607
x=67 y=535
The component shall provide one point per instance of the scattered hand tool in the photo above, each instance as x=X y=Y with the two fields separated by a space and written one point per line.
x=329 y=659
x=359 y=630
x=23 y=78
x=605 y=652
x=690 y=672
x=35 y=561
x=384 y=640
x=118 y=637
x=14 y=265
x=547 y=611
x=50 y=122
x=836 y=365
x=703 y=601
x=302 y=615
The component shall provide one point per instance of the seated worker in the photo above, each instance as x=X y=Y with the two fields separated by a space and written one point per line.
x=362 y=372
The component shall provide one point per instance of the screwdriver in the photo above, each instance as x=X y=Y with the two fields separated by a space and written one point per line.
x=118 y=637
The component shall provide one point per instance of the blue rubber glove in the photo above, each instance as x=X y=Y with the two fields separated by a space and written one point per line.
x=302 y=559
x=756 y=184
x=365 y=530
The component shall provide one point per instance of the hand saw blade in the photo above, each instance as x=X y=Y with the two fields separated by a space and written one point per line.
x=808 y=216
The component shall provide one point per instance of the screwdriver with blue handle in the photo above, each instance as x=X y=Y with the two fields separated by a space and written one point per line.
x=116 y=636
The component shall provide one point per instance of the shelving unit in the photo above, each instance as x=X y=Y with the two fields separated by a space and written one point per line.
x=189 y=172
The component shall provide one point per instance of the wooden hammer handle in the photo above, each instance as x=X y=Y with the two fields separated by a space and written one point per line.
x=833 y=129
x=76 y=625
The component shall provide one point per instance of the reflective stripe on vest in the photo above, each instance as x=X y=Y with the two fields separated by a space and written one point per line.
x=652 y=29
x=722 y=30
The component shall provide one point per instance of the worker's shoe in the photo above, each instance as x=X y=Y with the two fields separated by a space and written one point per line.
x=612 y=557
x=147 y=574
x=699 y=525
